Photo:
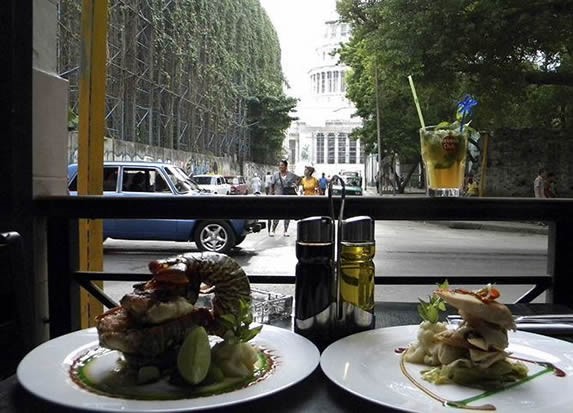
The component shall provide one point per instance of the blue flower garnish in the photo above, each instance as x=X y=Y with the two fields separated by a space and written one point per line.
x=465 y=109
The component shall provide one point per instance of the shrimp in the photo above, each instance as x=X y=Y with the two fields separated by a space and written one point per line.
x=157 y=313
x=221 y=274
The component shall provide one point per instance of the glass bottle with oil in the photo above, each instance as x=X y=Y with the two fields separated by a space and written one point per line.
x=356 y=274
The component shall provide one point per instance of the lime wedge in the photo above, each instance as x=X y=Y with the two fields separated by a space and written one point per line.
x=194 y=357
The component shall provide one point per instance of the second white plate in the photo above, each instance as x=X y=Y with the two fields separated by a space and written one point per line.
x=367 y=365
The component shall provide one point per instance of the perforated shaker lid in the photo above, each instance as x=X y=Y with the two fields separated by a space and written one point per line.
x=315 y=229
x=358 y=229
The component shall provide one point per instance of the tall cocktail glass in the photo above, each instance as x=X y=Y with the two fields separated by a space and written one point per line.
x=444 y=156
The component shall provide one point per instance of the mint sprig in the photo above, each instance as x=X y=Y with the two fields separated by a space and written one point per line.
x=430 y=310
x=238 y=325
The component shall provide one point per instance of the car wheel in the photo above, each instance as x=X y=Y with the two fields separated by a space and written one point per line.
x=215 y=236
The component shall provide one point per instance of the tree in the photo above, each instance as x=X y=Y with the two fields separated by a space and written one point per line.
x=268 y=117
x=514 y=56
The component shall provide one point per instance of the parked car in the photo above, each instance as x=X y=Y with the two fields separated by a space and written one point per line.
x=137 y=179
x=352 y=185
x=239 y=185
x=217 y=184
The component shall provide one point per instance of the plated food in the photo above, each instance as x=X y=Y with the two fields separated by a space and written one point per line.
x=163 y=335
x=473 y=354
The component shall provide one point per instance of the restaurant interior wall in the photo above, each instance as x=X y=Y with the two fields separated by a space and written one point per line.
x=49 y=143
x=16 y=206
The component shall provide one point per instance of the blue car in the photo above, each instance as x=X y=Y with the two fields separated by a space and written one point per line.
x=137 y=179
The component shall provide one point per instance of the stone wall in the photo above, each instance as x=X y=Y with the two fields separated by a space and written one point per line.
x=193 y=163
x=515 y=156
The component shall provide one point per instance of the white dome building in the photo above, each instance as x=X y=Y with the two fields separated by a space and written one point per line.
x=320 y=137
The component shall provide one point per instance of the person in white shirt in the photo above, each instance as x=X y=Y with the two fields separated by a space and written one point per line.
x=539 y=184
x=256 y=184
x=268 y=183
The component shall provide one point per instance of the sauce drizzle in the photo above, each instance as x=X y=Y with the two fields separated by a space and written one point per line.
x=119 y=382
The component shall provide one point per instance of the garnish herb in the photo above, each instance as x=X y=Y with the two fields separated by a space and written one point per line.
x=238 y=325
x=430 y=310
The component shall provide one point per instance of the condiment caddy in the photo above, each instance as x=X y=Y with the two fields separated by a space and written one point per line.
x=334 y=290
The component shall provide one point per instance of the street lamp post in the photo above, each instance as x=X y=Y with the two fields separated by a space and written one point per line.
x=378 y=134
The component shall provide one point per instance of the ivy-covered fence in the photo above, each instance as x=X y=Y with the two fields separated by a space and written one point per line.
x=181 y=73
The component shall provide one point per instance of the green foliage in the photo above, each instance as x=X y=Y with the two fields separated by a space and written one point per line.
x=515 y=57
x=73 y=120
x=430 y=310
x=238 y=325
x=268 y=116
x=192 y=64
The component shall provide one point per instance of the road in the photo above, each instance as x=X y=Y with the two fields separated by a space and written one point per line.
x=403 y=248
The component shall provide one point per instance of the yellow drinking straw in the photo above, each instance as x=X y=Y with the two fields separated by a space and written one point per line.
x=417 y=102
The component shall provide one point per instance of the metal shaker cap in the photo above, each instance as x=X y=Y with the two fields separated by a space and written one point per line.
x=358 y=229
x=315 y=229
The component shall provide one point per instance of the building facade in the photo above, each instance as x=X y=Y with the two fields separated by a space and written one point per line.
x=321 y=136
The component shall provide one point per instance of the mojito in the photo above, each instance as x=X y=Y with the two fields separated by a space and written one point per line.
x=444 y=155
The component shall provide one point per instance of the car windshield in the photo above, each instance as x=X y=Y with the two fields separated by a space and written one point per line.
x=202 y=180
x=353 y=181
x=182 y=182
x=194 y=185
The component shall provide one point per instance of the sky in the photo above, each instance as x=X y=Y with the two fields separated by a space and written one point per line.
x=300 y=26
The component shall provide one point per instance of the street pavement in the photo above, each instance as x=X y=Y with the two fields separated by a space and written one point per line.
x=259 y=252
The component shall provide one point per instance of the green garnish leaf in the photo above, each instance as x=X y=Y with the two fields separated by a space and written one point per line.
x=247 y=335
x=238 y=325
x=444 y=125
x=430 y=310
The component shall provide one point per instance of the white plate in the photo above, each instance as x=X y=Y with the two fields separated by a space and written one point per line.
x=367 y=365
x=45 y=373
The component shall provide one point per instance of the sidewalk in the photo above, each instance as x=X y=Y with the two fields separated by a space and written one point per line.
x=505 y=226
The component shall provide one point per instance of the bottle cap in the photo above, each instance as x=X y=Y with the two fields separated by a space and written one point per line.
x=315 y=229
x=358 y=229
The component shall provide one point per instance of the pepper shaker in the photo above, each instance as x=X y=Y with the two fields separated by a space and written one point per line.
x=314 y=285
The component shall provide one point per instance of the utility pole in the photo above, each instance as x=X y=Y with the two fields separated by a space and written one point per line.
x=378 y=134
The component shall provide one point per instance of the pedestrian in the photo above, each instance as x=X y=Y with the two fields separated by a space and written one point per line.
x=549 y=186
x=310 y=185
x=539 y=183
x=283 y=182
x=256 y=184
x=472 y=187
x=268 y=182
x=322 y=184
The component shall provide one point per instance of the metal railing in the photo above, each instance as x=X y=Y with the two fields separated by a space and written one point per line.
x=62 y=214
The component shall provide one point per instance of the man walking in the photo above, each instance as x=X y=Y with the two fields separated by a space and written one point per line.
x=322 y=184
x=256 y=184
x=283 y=182
x=539 y=184
x=268 y=182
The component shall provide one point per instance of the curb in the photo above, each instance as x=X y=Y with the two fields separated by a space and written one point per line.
x=494 y=226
